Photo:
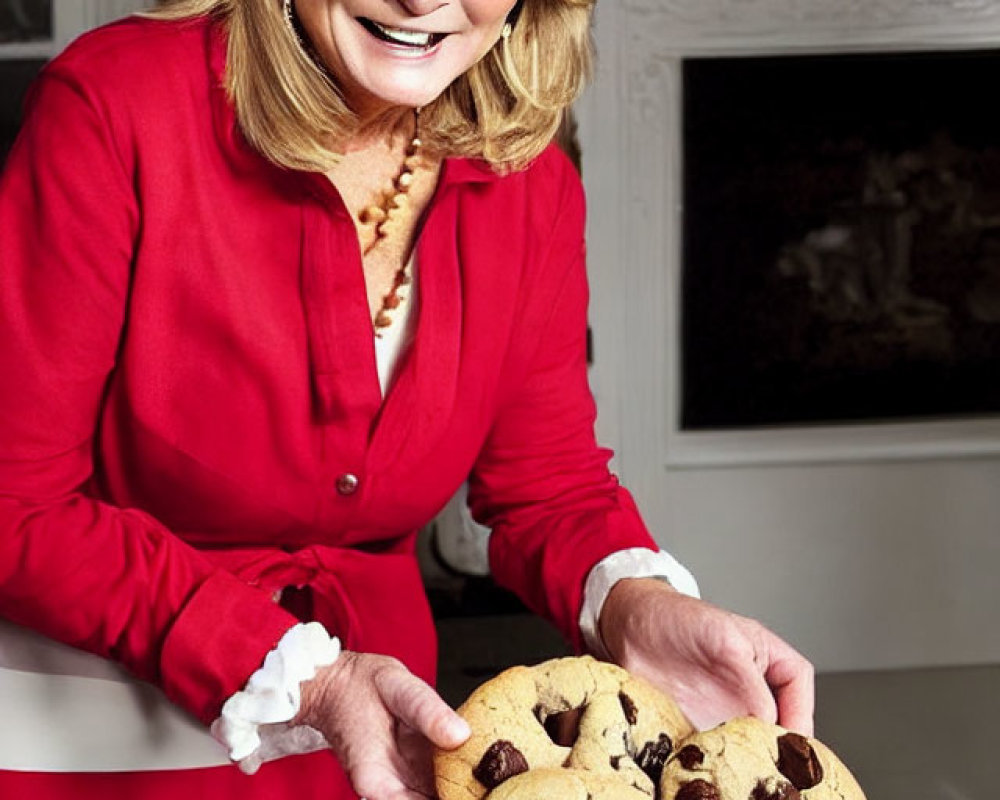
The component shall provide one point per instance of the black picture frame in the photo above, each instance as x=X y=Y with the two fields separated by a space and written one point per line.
x=841 y=239
x=16 y=76
x=26 y=21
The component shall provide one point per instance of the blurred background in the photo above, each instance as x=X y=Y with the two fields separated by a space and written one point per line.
x=794 y=250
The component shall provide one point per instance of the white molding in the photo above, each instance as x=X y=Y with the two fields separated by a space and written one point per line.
x=102 y=11
x=599 y=114
x=657 y=37
x=699 y=27
x=974 y=438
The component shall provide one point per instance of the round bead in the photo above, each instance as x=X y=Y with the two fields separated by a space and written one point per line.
x=372 y=214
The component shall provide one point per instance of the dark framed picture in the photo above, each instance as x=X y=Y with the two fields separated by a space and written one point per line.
x=32 y=32
x=841 y=240
x=26 y=21
x=16 y=76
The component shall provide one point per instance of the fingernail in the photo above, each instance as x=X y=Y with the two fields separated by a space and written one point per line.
x=459 y=730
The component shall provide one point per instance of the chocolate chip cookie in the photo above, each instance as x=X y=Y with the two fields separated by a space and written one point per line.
x=553 y=783
x=747 y=759
x=574 y=713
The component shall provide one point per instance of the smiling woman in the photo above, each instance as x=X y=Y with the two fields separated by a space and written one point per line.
x=382 y=56
x=278 y=276
x=484 y=95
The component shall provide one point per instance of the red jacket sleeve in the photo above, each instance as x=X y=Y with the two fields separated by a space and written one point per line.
x=110 y=580
x=541 y=482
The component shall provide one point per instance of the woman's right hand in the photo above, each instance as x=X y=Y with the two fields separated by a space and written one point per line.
x=381 y=721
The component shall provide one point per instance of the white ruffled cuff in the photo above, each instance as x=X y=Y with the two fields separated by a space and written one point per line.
x=636 y=562
x=253 y=724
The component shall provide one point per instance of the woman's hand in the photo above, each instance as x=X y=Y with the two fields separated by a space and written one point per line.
x=715 y=664
x=381 y=722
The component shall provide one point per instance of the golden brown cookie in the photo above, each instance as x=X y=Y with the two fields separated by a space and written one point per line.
x=625 y=728
x=748 y=759
x=555 y=783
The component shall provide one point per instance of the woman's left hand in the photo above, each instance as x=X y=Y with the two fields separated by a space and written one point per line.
x=716 y=664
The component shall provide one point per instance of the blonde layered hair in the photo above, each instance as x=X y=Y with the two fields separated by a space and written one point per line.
x=505 y=109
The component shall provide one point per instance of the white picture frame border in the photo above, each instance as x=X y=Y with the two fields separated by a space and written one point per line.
x=659 y=36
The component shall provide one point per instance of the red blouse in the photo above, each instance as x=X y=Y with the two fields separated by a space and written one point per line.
x=190 y=416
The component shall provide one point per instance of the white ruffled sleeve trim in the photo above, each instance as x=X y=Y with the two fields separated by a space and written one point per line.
x=636 y=562
x=253 y=725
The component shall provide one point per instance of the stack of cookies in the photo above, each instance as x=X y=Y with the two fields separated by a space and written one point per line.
x=581 y=729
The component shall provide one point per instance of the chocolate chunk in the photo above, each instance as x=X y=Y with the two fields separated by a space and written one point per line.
x=500 y=761
x=690 y=757
x=629 y=707
x=697 y=790
x=616 y=762
x=798 y=762
x=564 y=728
x=773 y=789
x=653 y=756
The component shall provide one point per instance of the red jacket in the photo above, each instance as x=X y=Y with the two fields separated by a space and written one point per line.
x=188 y=369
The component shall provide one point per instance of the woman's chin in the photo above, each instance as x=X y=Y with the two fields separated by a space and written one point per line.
x=396 y=96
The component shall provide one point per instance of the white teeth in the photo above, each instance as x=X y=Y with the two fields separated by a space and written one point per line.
x=409 y=38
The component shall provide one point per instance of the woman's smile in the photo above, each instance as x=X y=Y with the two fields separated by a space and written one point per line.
x=418 y=42
x=400 y=54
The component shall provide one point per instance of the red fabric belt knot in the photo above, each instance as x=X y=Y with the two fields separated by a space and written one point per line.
x=297 y=600
x=305 y=582
x=372 y=601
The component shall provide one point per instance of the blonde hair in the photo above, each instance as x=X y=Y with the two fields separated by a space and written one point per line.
x=505 y=109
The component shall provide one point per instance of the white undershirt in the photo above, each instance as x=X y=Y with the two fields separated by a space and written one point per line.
x=391 y=342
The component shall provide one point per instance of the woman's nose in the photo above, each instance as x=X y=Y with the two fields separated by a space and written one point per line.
x=419 y=8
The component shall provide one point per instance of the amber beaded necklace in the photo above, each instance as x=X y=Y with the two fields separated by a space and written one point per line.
x=380 y=216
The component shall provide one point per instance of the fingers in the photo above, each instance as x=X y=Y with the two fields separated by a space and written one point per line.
x=719 y=665
x=373 y=780
x=791 y=680
x=743 y=658
x=388 y=761
x=415 y=757
x=418 y=706
x=759 y=700
x=377 y=718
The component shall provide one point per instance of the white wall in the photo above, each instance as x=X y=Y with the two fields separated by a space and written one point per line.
x=871 y=560
x=106 y=10
x=72 y=17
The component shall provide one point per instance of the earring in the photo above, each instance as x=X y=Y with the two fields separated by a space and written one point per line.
x=289 y=13
x=512 y=18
